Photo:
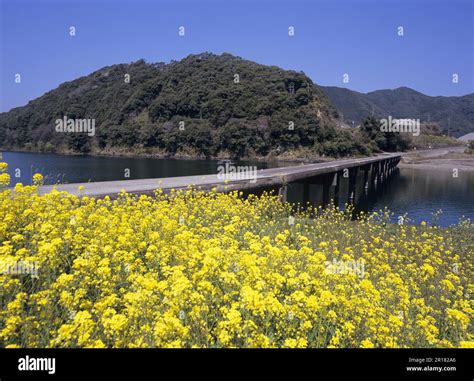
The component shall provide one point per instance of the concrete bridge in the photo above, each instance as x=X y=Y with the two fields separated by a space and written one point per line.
x=376 y=170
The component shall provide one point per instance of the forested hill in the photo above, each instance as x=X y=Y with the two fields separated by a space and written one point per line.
x=455 y=115
x=204 y=105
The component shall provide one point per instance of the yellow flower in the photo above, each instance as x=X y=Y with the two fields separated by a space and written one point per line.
x=4 y=179
x=196 y=269
x=3 y=167
x=38 y=179
x=366 y=344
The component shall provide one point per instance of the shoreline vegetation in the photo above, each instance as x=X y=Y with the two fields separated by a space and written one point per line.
x=297 y=157
x=195 y=269
x=444 y=156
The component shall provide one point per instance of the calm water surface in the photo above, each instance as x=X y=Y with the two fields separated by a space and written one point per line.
x=79 y=169
x=418 y=192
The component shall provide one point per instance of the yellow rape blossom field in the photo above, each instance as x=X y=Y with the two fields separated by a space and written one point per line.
x=194 y=269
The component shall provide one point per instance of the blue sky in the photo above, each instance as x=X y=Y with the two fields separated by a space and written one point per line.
x=332 y=37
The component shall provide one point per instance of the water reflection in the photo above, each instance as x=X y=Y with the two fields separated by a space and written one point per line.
x=420 y=193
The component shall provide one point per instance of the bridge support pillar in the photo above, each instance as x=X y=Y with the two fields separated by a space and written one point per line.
x=380 y=173
x=373 y=175
x=366 y=178
x=326 y=193
x=352 y=184
x=306 y=186
x=335 y=182
x=283 y=193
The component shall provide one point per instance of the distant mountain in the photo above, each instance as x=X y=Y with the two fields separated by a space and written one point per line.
x=204 y=105
x=453 y=113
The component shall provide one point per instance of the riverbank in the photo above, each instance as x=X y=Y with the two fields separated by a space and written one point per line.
x=300 y=156
x=439 y=159
x=445 y=158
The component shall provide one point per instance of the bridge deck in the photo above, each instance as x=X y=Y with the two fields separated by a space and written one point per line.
x=264 y=178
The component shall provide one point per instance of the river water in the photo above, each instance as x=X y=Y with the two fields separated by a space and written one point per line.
x=416 y=192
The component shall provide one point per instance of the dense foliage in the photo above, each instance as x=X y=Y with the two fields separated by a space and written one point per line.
x=265 y=110
x=371 y=132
